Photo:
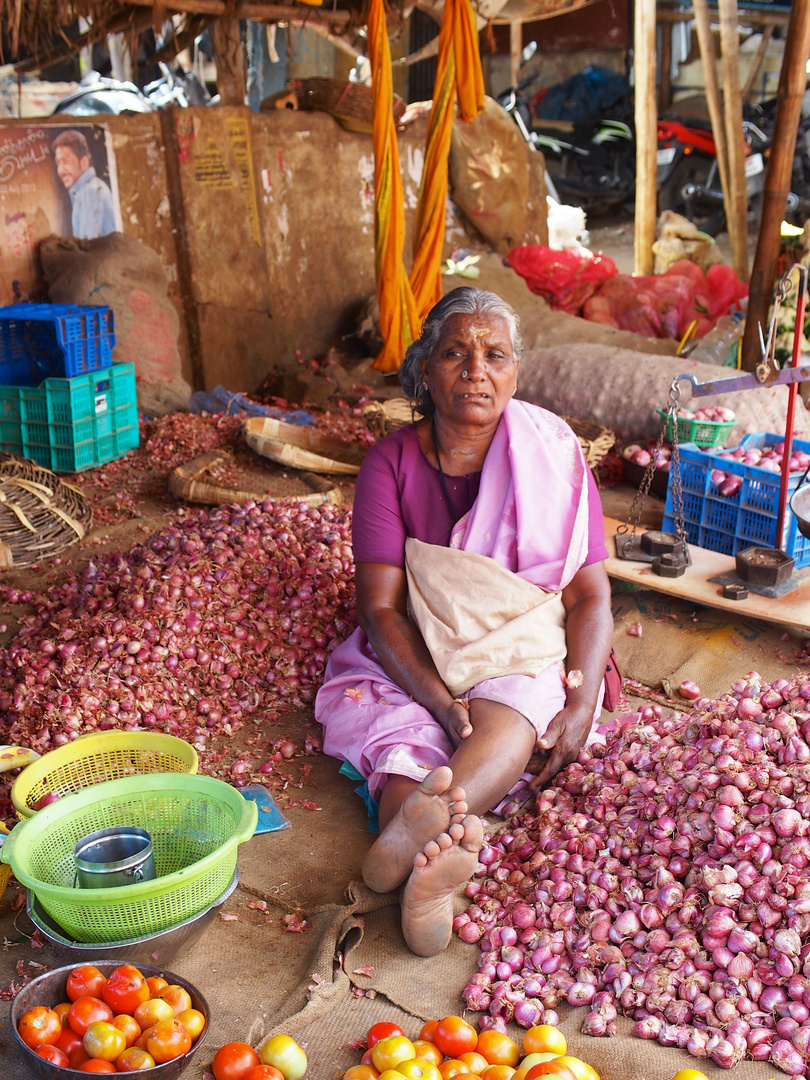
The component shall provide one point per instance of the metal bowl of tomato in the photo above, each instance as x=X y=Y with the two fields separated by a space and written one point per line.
x=51 y=988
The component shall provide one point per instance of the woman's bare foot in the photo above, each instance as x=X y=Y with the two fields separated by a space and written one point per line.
x=425 y=812
x=427 y=899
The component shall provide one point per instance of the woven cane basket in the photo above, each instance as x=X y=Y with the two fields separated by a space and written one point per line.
x=40 y=515
x=383 y=417
x=594 y=439
x=351 y=104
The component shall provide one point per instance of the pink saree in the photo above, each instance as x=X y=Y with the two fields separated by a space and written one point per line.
x=531 y=518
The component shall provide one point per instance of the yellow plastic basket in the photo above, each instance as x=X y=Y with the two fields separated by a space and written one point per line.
x=93 y=759
x=196 y=824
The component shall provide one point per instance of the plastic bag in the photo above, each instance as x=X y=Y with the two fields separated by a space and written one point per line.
x=220 y=400
x=565 y=279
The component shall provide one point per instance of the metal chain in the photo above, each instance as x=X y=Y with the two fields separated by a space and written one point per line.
x=640 y=498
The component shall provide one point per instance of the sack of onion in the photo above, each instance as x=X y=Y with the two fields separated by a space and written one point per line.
x=664 y=877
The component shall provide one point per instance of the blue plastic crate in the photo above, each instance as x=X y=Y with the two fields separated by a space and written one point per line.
x=69 y=425
x=41 y=341
x=730 y=523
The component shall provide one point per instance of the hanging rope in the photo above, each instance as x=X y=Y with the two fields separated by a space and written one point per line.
x=404 y=302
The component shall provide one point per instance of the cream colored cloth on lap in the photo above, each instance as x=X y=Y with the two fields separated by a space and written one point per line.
x=478 y=619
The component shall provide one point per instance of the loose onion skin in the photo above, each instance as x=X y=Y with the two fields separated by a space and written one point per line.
x=668 y=873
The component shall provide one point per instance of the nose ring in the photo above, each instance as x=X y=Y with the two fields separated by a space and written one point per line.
x=464 y=373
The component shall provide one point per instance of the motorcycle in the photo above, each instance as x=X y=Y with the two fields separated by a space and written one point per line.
x=590 y=160
x=688 y=174
x=96 y=94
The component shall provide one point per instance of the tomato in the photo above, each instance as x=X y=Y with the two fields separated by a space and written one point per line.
x=550 y=1068
x=414 y=1069
x=85 y=1011
x=689 y=1074
x=71 y=1044
x=156 y=983
x=428 y=1031
x=85 y=981
x=103 y=1040
x=453 y=1067
x=193 y=1021
x=134 y=1059
x=498 y=1049
x=233 y=1060
x=151 y=1011
x=97 y=1065
x=498 y=1072
x=264 y=1072
x=169 y=1040
x=455 y=1036
x=178 y=998
x=39 y=1026
x=54 y=1055
x=475 y=1062
x=383 y=1030
x=544 y=1039
x=61 y=1010
x=129 y=1028
x=387 y=1053
x=428 y=1051
x=366 y=1060
x=287 y=1056
x=125 y=989
x=580 y=1069
x=361 y=1072
x=143 y=1038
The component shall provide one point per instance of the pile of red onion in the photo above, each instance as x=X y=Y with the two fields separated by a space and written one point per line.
x=217 y=618
x=664 y=877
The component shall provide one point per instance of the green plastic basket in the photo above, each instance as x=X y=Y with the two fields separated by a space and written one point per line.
x=702 y=432
x=196 y=824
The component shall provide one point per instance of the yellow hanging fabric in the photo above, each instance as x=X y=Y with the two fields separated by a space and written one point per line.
x=399 y=321
x=458 y=72
x=404 y=302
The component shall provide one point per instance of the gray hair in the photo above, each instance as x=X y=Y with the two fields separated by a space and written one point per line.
x=464 y=300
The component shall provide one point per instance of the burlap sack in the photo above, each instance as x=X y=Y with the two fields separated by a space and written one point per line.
x=127 y=276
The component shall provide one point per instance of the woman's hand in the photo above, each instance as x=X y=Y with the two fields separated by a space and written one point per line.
x=562 y=742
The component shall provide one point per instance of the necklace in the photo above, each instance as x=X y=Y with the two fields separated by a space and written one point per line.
x=453 y=514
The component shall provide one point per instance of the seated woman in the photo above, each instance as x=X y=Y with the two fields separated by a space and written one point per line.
x=479 y=546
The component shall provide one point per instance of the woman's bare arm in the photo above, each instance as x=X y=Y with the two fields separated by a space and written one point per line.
x=382 y=612
x=589 y=638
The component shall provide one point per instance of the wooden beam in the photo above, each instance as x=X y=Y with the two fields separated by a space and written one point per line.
x=757 y=64
x=229 y=56
x=665 y=68
x=515 y=49
x=646 y=115
x=792 y=84
x=735 y=196
x=260 y=12
x=708 y=57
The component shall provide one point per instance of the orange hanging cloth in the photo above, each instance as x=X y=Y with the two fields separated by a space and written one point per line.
x=404 y=302
x=399 y=321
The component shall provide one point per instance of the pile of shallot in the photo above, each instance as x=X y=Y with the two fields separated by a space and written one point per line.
x=642 y=456
x=664 y=877
x=768 y=458
x=218 y=617
x=716 y=414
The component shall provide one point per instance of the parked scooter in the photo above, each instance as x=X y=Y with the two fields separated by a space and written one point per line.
x=96 y=94
x=689 y=178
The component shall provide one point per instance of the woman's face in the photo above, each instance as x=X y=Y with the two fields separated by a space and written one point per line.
x=472 y=372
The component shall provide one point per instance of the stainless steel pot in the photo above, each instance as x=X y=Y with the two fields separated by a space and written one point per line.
x=109 y=858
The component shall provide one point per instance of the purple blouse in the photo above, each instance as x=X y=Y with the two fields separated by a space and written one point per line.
x=399 y=494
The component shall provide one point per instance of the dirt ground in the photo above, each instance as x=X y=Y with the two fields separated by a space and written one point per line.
x=256 y=968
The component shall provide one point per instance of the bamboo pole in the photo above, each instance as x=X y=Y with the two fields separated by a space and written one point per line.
x=767 y=33
x=735 y=196
x=792 y=84
x=646 y=136
x=515 y=50
x=708 y=57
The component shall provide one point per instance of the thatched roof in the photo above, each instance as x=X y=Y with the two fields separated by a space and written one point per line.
x=37 y=29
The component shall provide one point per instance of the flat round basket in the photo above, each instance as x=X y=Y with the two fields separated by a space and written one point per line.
x=194 y=481
x=383 y=417
x=40 y=515
x=302 y=447
x=594 y=439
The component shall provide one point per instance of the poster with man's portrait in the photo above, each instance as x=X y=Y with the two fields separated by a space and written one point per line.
x=54 y=179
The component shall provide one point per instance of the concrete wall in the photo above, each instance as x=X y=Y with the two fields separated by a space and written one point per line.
x=264 y=223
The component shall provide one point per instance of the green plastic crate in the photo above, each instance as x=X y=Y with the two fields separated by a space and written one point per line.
x=69 y=425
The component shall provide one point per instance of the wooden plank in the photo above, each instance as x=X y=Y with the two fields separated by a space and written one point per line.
x=230 y=62
x=767 y=33
x=793 y=609
x=646 y=116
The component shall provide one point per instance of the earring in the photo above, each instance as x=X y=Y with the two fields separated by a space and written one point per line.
x=514 y=392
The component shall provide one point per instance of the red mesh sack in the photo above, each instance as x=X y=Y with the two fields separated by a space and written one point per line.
x=565 y=279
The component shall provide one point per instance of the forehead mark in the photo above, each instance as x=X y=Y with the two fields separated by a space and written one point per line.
x=480 y=331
